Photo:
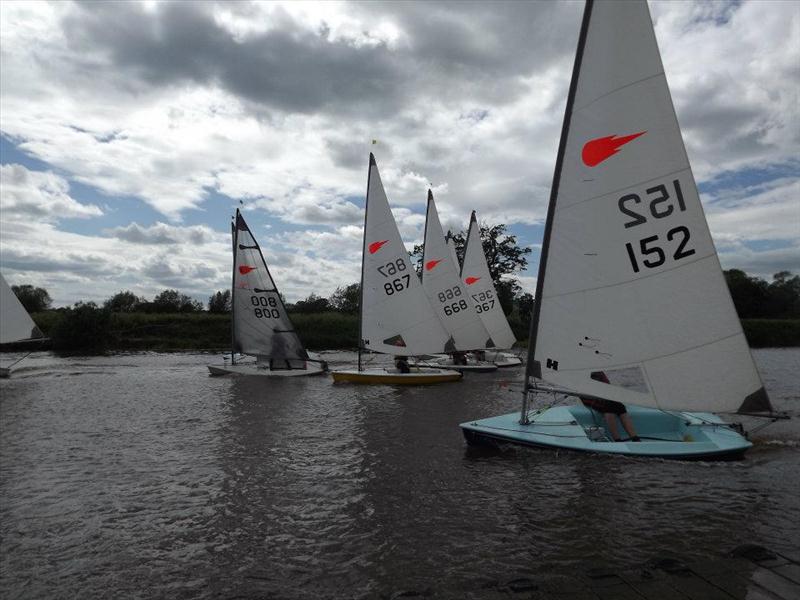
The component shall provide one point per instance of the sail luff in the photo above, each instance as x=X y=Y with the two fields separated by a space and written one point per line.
x=233 y=286
x=532 y=367
x=363 y=262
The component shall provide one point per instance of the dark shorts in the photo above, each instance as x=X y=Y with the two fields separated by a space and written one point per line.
x=605 y=406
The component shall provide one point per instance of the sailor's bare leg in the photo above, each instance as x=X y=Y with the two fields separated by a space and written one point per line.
x=628 y=425
x=611 y=422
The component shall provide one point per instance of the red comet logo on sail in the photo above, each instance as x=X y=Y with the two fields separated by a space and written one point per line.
x=471 y=280
x=431 y=264
x=596 y=151
x=245 y=269
x=375 y=246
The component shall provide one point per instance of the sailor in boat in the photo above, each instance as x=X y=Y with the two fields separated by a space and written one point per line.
x=459 y=358
x=610 y=409
x=401 y=363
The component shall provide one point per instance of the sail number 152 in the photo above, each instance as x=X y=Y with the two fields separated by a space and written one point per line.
x=648 y=252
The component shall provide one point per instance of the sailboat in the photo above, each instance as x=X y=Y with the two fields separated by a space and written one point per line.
x=395 y=317
x=16 y=324
x=450 y=299
x=260 y=325
x=476 y=276
x=631 y=303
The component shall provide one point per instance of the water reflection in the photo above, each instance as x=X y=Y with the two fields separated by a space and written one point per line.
x=141 y=475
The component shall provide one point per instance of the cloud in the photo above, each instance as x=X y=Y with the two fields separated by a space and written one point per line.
x=174 y=104
x=161 y=233
x=42 y=195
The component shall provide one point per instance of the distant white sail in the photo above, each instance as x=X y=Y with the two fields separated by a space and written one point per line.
x=396 y=317
x=445 y=290
x=16 y=324
x=629 y=276
x=478 y=281
x=261 y=326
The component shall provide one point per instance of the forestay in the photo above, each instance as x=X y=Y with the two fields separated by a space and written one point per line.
x=445 y=290
x=261 y=326
x=16 y=324
x=629 y=277
x=396 y=317
x=478 y=281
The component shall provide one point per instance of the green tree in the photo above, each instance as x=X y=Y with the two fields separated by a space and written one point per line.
x=749 y=294
x=125 y=301
x=220 y=302
x=34 y=299
x=312 y=304
x=525 y=309
x=82 y=327
x=173 y=301
x=346 y=299
x=783 y=295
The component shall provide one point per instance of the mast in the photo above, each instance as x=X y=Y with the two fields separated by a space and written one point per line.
x=363 y=251
x=234 y=237
x=532 y=368
x=425 y=233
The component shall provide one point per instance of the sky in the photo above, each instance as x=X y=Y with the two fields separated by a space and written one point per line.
x=130 y=132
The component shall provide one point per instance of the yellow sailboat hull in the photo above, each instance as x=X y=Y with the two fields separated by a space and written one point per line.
x=395 y=377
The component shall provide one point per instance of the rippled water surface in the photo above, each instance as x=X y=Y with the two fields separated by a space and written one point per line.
x=141 y=476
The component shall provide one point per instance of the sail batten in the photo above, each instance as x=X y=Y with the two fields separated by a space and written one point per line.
x=629 y=275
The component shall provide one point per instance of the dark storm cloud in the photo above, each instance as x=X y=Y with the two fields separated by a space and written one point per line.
x=289 y=68
x=473 y=50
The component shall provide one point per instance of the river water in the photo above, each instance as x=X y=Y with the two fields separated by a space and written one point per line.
x=139 y=476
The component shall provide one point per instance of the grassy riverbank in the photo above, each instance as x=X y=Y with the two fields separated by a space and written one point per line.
x=101 y=331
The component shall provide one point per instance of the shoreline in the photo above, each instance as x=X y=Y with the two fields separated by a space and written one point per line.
x=107 y=332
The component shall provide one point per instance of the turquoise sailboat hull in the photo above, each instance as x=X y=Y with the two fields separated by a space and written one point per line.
x=672 y=435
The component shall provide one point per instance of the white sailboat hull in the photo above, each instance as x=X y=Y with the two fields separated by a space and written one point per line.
x=254 y=369
x=473 y=366
x=499 y=359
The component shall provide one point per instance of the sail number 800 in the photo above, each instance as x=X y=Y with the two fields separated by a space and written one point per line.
x=266 y=308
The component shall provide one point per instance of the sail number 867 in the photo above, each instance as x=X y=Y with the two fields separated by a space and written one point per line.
x=393 y=268
x=266 y=308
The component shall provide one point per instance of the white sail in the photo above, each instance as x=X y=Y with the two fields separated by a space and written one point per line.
x=475 y=275
x=396 y=317
x=629 y=277
x=261 y=326
x=445 y=290
x=16 y=324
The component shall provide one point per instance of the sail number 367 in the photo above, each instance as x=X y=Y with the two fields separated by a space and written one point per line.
x=649 y=252
x=483 y=301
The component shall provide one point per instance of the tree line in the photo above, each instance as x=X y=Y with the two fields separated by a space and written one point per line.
x=754 y=297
